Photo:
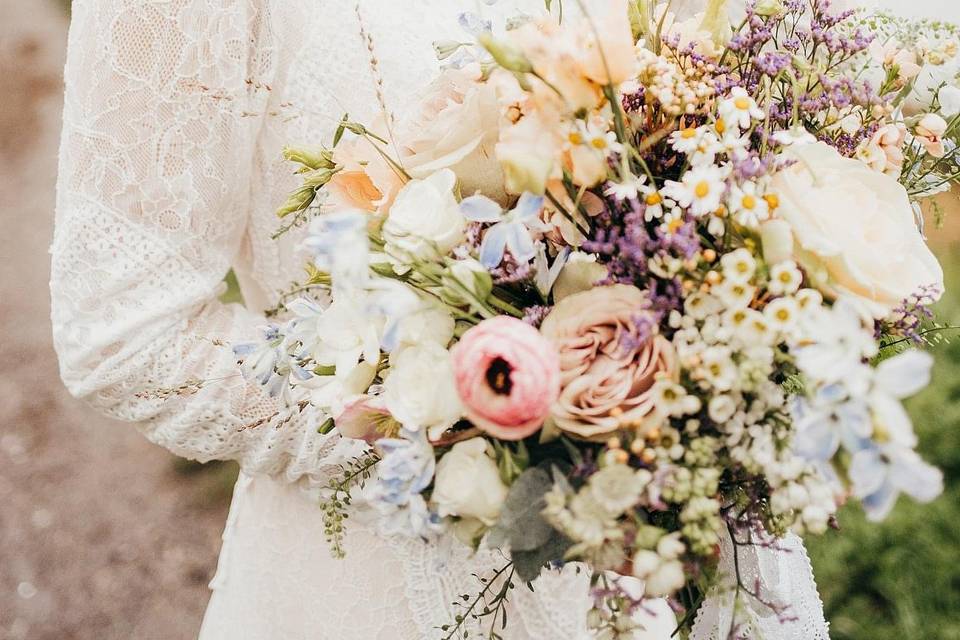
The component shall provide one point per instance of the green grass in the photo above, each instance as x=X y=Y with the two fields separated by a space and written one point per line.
x=900 y=579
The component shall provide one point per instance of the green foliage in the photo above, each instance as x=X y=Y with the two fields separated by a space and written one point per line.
x=900 y=579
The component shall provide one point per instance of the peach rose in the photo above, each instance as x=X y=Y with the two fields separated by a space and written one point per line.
x=854 y=229
x=607 y=371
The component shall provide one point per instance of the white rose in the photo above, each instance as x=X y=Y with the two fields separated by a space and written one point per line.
x=456 y=127
x=425 y=218
x=581 y=272
x=468 y=483
x=854 y=230
x=430 y=323
x=949 y=97
x=419 y=390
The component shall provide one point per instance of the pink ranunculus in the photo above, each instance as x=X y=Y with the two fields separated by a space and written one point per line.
x=508 y=376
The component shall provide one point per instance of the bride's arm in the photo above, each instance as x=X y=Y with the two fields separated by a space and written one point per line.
x=164 y=101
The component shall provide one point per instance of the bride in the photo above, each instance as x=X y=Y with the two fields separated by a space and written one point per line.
x=170 y=171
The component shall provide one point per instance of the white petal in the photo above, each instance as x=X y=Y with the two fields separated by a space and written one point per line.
x=904 y=375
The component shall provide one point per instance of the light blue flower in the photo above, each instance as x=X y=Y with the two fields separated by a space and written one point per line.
x=340 y=246
x=405 y=470
x=831 y=418
x=270 y=361
x=510 y=230
x=881 y=473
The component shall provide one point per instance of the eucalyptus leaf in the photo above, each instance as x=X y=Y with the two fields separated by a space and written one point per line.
x=529 y=563
x=521 y=525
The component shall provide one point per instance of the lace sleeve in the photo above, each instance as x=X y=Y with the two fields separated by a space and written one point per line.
x=164 y=101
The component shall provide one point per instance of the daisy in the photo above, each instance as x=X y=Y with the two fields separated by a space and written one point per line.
x=629 y=189
x=797 y=135
x=734 y=295
x=701 y=190
x=782 y=314
x=785 y=278
x=655 y=203
x=740 y=109
x=738 y=266
x=748 y=208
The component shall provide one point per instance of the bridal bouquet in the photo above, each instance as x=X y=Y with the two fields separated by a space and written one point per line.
x=626 y=288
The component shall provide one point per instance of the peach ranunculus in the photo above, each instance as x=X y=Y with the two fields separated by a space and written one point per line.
x=929 y=132
x=607 y=368
x=455 y=127
x=854 y=229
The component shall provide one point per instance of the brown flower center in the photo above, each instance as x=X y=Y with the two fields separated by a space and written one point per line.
x=498 y=376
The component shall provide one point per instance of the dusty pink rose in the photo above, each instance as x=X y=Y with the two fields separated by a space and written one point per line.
x=507 y=375
x=607 y=369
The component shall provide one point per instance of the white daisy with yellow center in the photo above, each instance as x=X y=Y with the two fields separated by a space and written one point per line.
x=733 y=294
x=701 y=190
x=740 y=109
x=782 y=314
x=785 y=278
x=747 y=205
x=738 y=265
x=656 y=205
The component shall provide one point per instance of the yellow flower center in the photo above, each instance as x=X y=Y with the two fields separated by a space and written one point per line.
x=783 y=315
x=742 y=103
x=674 y=225
x=772 y=200
x=720 y=127
x=575 y=138
x=748 y=201
x=702 y=189
x=785 y=277
x=654 y=199
x=688 y=133
x=599 y=143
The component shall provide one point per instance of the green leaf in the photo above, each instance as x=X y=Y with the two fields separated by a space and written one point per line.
x=521 y=525
x=529 y=563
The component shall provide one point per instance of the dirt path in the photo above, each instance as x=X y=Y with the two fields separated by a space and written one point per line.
x=100 y=536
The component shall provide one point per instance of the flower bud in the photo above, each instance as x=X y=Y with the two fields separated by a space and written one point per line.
x=769 y=8
x=507 y=56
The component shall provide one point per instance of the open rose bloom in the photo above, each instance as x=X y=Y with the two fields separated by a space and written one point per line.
x=603 y=296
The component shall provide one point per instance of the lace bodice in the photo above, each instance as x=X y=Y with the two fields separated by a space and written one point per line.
x=170 y=169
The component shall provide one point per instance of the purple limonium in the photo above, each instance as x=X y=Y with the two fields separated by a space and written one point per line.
x=511 y=229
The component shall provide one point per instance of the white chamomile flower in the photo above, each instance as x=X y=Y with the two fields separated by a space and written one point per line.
x=738 y=265
x=655 y=203
x=795 y=136
x=628 y=189
x=700 y=189
x=782 y=314
x=747 y=206
x=740 y=109
x=673 y=400
x=594 y=134
x=809 y=299
x=755 y=328
x=785 y=278
x=686 y=140
x=734 y=294
x=701 y=305
x=718 y=368
x=699 y=144
x=721 y=408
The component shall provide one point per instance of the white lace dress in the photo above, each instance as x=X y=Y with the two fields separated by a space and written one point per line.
x=176 y=111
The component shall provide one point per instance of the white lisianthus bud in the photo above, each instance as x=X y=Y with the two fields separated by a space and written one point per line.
x=446 y=48
x=777 y=240
x=472 y=276
x=468 y=483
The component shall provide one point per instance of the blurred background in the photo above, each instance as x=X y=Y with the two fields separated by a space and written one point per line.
x=104 y=536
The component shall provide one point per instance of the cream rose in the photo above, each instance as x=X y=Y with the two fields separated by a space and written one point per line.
x=607 y=369
x=853 y=228
x=420 y=391
x=425 y=218
x=456 y=127
x=468 y=484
